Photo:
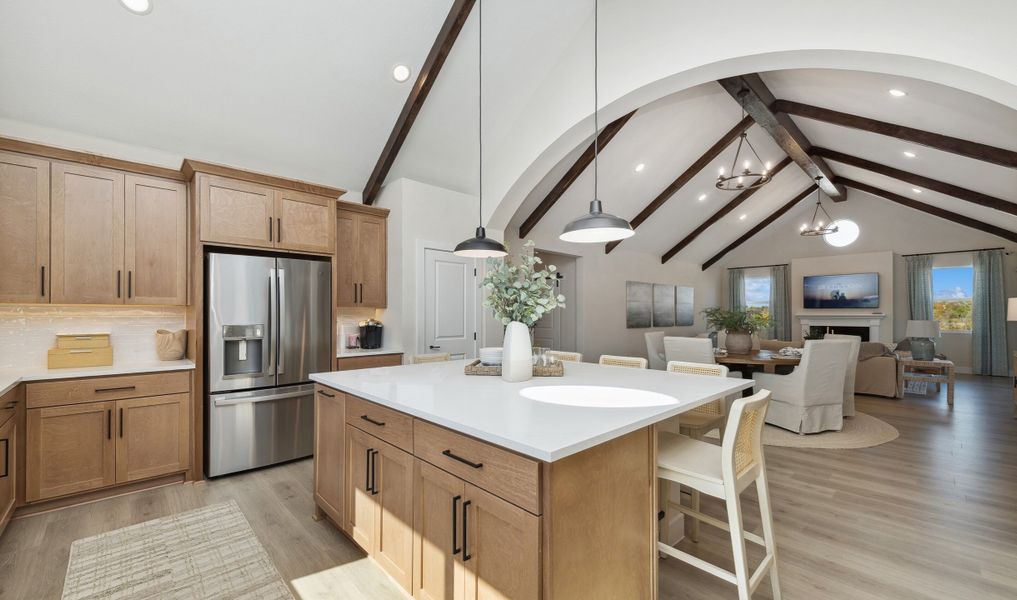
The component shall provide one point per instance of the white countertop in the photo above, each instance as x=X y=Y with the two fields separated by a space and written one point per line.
x=495 y=411
x=11 y=377
x=351 y=352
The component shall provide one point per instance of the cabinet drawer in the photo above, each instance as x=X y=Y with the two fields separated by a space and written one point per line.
x=73 y=391
x=389 y=425
x=500 y=472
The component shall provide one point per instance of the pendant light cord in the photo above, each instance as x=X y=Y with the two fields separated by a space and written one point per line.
x=480 y=108
x=596 y=100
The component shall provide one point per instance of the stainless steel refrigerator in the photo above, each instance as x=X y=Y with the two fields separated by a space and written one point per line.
x=269 y=324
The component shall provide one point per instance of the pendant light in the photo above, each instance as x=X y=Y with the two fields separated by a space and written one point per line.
x=480 y=246
x=819 y=226
x=596 y=226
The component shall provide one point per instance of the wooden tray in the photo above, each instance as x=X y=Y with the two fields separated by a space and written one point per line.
x=556 y=369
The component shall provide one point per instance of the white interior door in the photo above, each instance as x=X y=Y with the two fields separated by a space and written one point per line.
x=557 y=329
x=450 y=300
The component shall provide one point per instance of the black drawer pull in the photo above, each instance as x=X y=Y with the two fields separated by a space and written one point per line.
x=372 y=421
x=124 y=388
x=449 y=454
x=326 y=394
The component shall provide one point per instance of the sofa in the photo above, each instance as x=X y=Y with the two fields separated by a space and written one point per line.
x=877 y=367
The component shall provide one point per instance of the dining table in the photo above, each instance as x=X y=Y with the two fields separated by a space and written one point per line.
x=768 y=360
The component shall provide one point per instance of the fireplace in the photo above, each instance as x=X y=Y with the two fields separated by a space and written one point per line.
x=818 y=331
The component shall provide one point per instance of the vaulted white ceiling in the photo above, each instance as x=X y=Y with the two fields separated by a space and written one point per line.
x=670 y=134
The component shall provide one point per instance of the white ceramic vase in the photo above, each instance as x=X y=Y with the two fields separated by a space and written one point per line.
x=517 y=353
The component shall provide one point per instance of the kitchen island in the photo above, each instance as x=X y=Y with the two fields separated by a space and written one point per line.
x=470 y=487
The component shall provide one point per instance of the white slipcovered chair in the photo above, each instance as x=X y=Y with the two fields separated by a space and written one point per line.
x=655 y=349
x=852 y=370
x=689 y=349
x=811 y=398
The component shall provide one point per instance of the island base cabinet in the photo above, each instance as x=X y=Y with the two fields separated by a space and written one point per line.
x=470 y=544
x=8 y=468
x=329 y=450
x=380 y=506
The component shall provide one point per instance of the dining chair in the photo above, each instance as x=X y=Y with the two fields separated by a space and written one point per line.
x=655 y=349
x=811 y=398
x=724 y=472
x=564 y=356
x=632 y=362
x=852 y=370
x=688 y=349
x=419 y=359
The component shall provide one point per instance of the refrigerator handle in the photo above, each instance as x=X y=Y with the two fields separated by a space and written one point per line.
x=273 y=339
x=283 y=333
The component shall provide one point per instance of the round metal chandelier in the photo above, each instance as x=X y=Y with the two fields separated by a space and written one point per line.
x=820 y=225
x=746 y=179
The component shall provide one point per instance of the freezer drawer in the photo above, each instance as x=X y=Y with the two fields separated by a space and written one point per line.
x=258 y=428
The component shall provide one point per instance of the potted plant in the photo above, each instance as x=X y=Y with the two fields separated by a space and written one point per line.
x=739 y=326
x=520 y=295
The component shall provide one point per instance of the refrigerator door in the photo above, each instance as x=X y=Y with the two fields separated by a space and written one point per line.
x=241 y=322
x=305 y=319
x=261 y=427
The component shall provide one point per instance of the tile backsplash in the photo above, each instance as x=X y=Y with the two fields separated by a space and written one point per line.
x=28 y=331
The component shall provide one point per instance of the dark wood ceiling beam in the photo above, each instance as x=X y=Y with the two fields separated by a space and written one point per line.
x=720 y=214
x=687 y=176
x=606 y=135
x=921 y=181
x=982 y=152
x=757 y=100
x=447 y=35
x=932 y=210
x=761 y=226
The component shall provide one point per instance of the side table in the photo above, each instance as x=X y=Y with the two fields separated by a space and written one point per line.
x=944 y=373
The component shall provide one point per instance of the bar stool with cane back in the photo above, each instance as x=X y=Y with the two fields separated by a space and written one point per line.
x=724 y=472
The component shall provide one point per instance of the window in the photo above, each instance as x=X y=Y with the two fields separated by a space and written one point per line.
x=757 y=290
x=952 y=297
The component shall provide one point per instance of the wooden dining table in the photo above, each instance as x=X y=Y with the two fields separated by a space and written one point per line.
x=761 y=358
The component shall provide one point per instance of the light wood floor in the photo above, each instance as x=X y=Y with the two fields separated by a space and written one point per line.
x=932 y=515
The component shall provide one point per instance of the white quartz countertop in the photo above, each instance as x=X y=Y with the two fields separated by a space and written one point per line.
x=498 y=412
x=11 y=377
x=351 y=352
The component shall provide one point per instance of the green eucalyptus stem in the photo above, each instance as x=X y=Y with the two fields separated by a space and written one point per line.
x=523 y=292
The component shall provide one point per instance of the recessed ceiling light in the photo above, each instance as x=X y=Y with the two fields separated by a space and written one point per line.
x=138 y=7
x=640 y=167
x=898 y=93
x=909 y=154
x=916 y=190
x=742 y=218
x=702 y=197
x=400 y=73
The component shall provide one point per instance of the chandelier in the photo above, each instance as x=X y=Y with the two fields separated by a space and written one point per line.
x=820 y=225
x=747 y=179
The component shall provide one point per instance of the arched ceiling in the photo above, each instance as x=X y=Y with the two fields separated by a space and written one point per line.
x=670 y=134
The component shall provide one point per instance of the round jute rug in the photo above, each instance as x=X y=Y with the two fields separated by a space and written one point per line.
x=860 y=431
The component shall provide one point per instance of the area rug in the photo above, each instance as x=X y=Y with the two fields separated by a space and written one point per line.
x=860 y=431
x=208 y=553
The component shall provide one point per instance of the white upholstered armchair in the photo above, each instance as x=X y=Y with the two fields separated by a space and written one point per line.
x=655 y=349
x=811 y=398
x=852 y=370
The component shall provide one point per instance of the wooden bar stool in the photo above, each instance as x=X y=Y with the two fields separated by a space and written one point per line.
x=723 y=472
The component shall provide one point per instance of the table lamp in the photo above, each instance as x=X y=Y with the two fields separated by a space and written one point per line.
x=1011 y=309
x=921 y=334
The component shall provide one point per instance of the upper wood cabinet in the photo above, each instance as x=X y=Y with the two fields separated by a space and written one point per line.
x=240 y=213
x=87 y=235
x=361 y=256
x=24 y=223
x=155 y=241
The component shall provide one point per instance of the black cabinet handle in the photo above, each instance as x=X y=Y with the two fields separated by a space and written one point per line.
x=278 y=229
x=455 y=517
x=367 y=470
x=123 y=388
x=109 y=423
x=374 y=473
x=42 y=281
x=7 y=459
x=270 y=230
x=449 y=454
x=326 y=394
x=372 y=421
x=466 y=519
x=118 y=283
x=121 y=422
x=130 y=285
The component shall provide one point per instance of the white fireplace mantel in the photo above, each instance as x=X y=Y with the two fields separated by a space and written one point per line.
x=872 y=320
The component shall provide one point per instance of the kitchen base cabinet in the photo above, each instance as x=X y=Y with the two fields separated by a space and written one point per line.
x=70 y=450
x=152 y=436
x=438 y=571
x=329 y=450
x=501 y=548
x=8 y=470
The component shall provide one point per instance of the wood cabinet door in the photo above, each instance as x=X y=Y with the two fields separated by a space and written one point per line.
x=502 y=550
x=304 y=222
x=69 y=449
x=371 y=260
x=360 y=499
x=8 y=470
x=329 y=450
x=155 y=241
x=438 y=572
x=236 y=212
x=346 y=259
x=152 y=436
x=394 y=515
x=24 y=228
x=87 y=233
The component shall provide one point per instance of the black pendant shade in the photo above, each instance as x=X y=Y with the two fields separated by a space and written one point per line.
x=480 y=247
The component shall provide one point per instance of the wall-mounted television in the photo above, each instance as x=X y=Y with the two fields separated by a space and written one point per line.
x=855 y=290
